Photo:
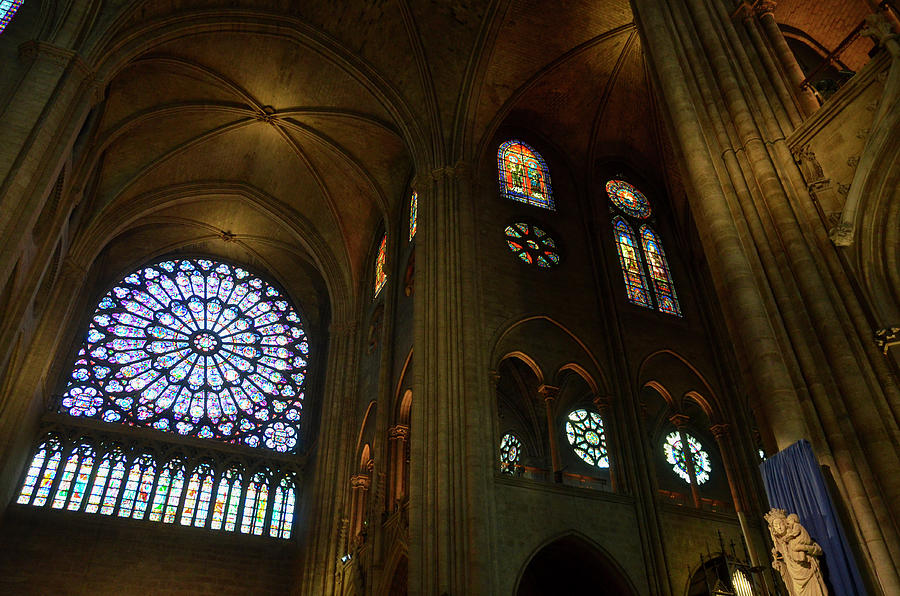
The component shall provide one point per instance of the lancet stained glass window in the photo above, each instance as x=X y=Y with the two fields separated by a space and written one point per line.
x=196 y=347
x=584 y=430
x=666 y=301
x=7 y=9
x=630 y=261
x=681 y=458
x=413 y=206
x=132 y=483
x=380 y=273
x=510 y=453
x=524 y=175
x=532 y=244
x=632 y=203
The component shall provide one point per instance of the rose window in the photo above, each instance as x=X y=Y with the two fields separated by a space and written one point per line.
x=681 y=458
x=510 y=453
x=196 y=347
x=584 y=430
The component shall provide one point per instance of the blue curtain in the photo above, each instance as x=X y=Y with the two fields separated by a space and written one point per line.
x=794 y=483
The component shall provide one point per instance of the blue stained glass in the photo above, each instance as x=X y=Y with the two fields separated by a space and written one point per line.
x=532 y=245
x=177 y=345
x=629 y=199
x=630 y=261
x=666 y=300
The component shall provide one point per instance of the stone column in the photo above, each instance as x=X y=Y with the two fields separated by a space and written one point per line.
x=680 y=421
x=765 y=10
x=398 y=435
x=549 y=393
x=359 y=485
x=722 y=434
x=452 y=471
x=604 y=407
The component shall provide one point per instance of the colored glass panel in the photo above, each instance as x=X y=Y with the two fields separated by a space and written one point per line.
x=681 y=458
x=510 y=453
x=630 y=261
x=627 y=198
x=413 y=205
x=380 y=273
x=84 y=476
x=255 y=505
x=195 y=347
x=584 y=431
x=41 y=468
x=666 y=300
x=134 y=496
x=7 y=9
x=230 y=481
x=524 y=175
x=234 y=504
x=65 y=481
x=532 y=244
x=282 y=509
x=96 y=496
x=43 y=489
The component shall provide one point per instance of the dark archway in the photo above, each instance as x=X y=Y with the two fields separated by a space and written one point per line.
x=571 y=565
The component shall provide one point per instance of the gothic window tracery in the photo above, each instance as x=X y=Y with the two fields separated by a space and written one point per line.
x=510 y=453
x=195 y=347
x=629 y=203
x=524 y=175
x=532 y=245
x=584 y=431
x=687 y=461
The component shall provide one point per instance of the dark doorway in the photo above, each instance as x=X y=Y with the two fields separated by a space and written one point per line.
x=571 y=566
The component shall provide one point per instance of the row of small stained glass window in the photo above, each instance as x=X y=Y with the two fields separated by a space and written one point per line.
x=381 y=257
x=7 y=9
x=586 y=437
x=110 y=481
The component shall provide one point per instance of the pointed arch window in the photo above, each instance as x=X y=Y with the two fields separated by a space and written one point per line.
x=380 y=259
x=413 y=206
x=8 y=8
x=630 y=205
x=524 y=175
x=41 y=473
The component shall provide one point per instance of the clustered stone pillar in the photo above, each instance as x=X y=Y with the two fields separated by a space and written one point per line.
x=359 y=484
x=549 y=393
x=808 y=358
x=722 y=434
x=604 y=408
x=807 y=100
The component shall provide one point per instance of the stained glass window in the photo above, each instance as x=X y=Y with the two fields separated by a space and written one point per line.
x=413 y=205
x=524 y=175
x=680 y=457
x=584 y=430
x=532 y=244
x=7 y=9
x=510 y=453
x=196 y=347
x=380 y=273
x=666 y=300
x=132 y=484
x=629 y=199
x=630 y=261
x=41 y=472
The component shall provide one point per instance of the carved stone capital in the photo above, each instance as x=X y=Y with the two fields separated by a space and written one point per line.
x=764 y=7
x=360 y=481
x=679 y=420
x=841 y=234
x=548 y=392
x=398 y=432
x=720 y=431
x=878 y=28
x=887 y=337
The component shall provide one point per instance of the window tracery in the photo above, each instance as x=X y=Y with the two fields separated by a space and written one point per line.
x=196 y=347
x=510 y=453
x=685 y=461
x=532 y=245
x=629 y=202
x=524 y=175
x=584 y=431
x=131 y=482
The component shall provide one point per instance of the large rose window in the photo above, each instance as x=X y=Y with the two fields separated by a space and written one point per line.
x=195 y=347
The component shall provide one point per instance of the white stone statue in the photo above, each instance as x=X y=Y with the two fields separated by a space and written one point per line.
x=795 y=555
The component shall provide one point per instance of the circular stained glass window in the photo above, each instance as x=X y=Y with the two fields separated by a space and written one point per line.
x=584 y=430
x=679 y=457
x=627 y=198
x=532 y=244
x=196 y=347
x=510 y=453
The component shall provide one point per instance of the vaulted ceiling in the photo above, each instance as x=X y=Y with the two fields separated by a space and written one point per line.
x=275 y=124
